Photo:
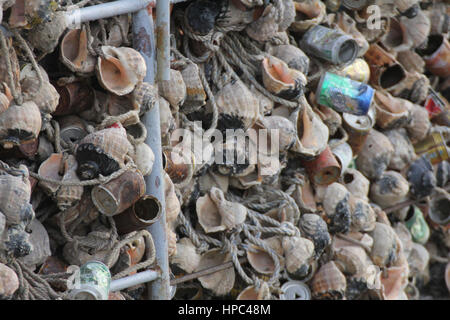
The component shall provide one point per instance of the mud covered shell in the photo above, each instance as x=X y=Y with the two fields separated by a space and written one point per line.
x=329 y=282
x=350 y=259
x=375 y=155
x=420 y=125
x=173 y=90
x=356 y=183
x=19 y=123
x=292 y=56
x=337 y=207
x=74 y=52
x=404 y=150
x=421 y=177
x=384 y=250
x=220 y=282
x=102 y=152
x=217 y=214
x=390 y=189
x=313 y=227
x=120 y=69
x=299 y=254
x=363 y=216
x=45 y=36
x=238 y=108
x=281 y=80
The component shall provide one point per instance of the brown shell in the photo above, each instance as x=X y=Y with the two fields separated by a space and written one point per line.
x=173 y=90
x=281 y=80
x=397 y=37
x=356 y=183
x=120 y=69
x=391 y=188
x=51 y=169
x=178 y=163
x=217 y=214
x=15 y=193
x=299 y=254
x=266 y=26
x=308 y=13
x=74 y=52
x=391 y=112
x=195 y=93
x=329 y=282
x=384 y=250
x=19 y=123
x=186 y=257
x=412 y=61
x=260 y=260
x=144 y=97
x=4 y=102
x=45 y=97
x=68 y=195
x=237 y=106
x=348 y=25
x=221 y=282
x=304 y=197
x=375 y=155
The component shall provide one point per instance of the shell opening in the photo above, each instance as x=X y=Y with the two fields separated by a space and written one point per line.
x=434 y=43
x=348 y=51
x=147 y=209
x=395 y=36
x=278 y=71
x=113 y=73
x=391 y=76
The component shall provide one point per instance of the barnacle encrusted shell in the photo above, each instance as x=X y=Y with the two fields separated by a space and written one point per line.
x=337 y=207
x=390 y=189
x=173 y=90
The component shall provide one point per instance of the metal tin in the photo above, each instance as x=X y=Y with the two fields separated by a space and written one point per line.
x=330 y=44
x=295 y=290
x=71 y=129
x=94 y=282
x=343 y=153
x=358 y=128
x=433 y=147
x=142 y=214
x=333 y=5
x=74 y=98
x=359 y=71
x=434 y=104
x=417 y=226
x=437 y=55
x=119 y=194
x=325 y=169
x=344 y=95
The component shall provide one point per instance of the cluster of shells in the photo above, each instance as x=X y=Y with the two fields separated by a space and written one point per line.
x=348 y=206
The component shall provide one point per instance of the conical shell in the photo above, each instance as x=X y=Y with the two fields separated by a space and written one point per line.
x=391 y=112
x=281 y=80
x=15 y=193
x=266 y=26
x=390 y=189
x=173 y=206
x=292 y=56
x=329 y=282
x=45 y=97
x=186 y=258
x=217 y=214
x=261 y=261
x=144 y=97
x=173 y=90
x=308 y=14
x=384 y=250
x=356 y=183
x=238 y=108
x=299 y=254
x=74 y=52
x=69 y=195
x=404 y=150
x=375 y=155
x=312 y=133
x=144 y=158
x=195 y=93
x=313 y=227
x=337 y=207
x=19 y=123
x=120 y=69
x=351 y=259
x=363 y=216
x=220 y=282
x=102 y=152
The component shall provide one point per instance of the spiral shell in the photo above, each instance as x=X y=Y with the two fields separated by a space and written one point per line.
x=69 y=195
x=143 y=157
x=299 y=254
x=102 y=152
x=15 y=193
x=173 y=206
x=337 y=207
x=120 y=69
x=74 y=52
x=419 y=126
x=280 y=80
x=237 y=106
x=19 y=123
x=391 y=112
x=173 y=90
x=313 y=227
x=390 y=189
x=217 y=214
x=417 y=28
x=329 y=282
x=221 y=282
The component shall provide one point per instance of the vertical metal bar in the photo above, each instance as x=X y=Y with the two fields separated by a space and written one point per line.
x=163 y=38
x=144 y=41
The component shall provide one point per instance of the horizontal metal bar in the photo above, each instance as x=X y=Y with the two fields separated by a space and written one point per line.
x=108 y=10
x=138 y=278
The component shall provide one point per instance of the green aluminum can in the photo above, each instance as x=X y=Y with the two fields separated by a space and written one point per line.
x=93 y=283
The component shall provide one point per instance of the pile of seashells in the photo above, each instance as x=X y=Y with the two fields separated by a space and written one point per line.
x=345 y=102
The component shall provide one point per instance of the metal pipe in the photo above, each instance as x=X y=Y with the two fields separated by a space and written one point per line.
x=163 y=39
x=138 y=278
x=109 y=9
x=144 y=41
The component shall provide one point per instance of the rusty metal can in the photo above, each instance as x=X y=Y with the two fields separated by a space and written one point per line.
x=434 y=104
x=343 y=153
x=433 y=147
x=75 y=97
x=119 y=194
x=344 y=95
x=325 y=169
x=437 y=55
x=141 y=215
x=72 y=128
x=358 y=128
x=330 y=44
